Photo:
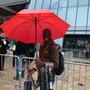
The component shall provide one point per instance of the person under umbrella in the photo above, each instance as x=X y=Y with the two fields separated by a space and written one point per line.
x=48 y=53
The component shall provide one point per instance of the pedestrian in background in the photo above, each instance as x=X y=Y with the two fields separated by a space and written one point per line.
x=3 y=50
x=20 y=52
x=87 y=51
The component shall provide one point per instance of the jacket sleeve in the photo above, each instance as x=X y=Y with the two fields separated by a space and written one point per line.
x=55 y=56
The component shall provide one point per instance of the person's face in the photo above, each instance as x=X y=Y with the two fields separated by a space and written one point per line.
x=46 y=37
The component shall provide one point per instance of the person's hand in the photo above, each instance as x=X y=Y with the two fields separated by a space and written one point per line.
x=39 y=63
x=31 y=70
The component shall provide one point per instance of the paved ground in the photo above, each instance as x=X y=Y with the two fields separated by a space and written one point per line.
x=77 y=77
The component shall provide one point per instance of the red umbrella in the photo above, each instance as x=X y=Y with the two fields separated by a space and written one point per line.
x=27 y=26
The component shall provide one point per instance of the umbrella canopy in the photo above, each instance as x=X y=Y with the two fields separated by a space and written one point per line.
x=27 y=26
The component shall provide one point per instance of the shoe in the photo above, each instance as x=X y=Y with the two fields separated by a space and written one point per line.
x=3 y=69
x=22 y=76
x=15 y=78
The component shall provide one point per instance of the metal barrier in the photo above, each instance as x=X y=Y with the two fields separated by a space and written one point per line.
x=7 y=73
x=75 y=53
x=75 y=77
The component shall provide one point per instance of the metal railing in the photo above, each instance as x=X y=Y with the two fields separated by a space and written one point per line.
x=75 y=53
x=75 y=77
x=7 y=73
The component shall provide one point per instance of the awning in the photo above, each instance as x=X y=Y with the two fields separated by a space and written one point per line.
x=12 y=9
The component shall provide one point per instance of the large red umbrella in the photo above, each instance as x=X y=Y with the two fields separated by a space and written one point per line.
x=27 y=26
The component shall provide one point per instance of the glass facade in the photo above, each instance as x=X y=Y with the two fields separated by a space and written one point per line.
x=75 y=12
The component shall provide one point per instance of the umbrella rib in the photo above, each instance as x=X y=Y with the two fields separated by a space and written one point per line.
x=48 y=23
x=17 y=26
x=24 y=18
x=27 y=18
x=46 y=17
x=40 y=25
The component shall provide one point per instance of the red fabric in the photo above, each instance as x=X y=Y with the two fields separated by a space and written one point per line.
x=21 y=27
x=31 y=71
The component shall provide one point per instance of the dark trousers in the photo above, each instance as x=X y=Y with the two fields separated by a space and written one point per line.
x=17 y=74
x=20 y=67
x=13 y=63
x=87 y=54
x=46 y=79
x=2 y=60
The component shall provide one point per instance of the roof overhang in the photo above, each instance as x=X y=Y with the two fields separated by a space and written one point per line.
x=12 y=2
x=11 y=8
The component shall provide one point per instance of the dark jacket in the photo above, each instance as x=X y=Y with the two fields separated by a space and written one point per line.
x=50 y=54
x=24 y=49
x=20 y=49
x=3 y=47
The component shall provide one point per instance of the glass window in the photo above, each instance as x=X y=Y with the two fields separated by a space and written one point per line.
x=54 y=10
x=72 y=3
x=54 y=4
x=62 y=13
x=80 y=27
x=71 y=27
x=62 y=3
x=88 y=27
x=69 y=32
x=81 y=16
x=83 y=2
x=71 y=15
x=46 y=4
x=39 y=4
x=82 y=32
x=88 y=32
x=32 y=4
x=54 y=1
x=89 y=18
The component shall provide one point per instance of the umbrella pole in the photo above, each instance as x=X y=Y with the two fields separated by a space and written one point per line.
x=35 y=19
x=35 y=29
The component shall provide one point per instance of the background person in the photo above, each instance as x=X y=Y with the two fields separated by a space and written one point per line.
x=23 y=50
x=87 y=51
x=20 y=52
x=3 y=50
